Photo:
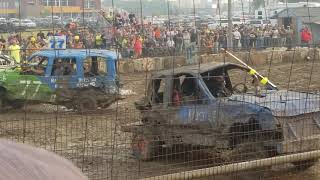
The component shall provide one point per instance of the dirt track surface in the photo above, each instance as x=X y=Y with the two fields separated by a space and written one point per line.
x=94 y=141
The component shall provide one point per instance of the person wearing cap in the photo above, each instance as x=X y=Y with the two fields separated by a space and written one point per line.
x=32 y=46
x=77 y=44
x=14 y=51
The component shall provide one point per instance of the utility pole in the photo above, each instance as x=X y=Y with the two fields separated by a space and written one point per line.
x=141 y=17
x=230 y=26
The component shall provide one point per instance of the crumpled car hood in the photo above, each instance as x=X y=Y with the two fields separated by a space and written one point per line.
x=283 y=103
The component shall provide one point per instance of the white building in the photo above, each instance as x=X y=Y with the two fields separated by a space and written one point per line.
x=273 y=8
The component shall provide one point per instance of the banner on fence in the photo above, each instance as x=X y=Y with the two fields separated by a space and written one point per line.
x=58 y=42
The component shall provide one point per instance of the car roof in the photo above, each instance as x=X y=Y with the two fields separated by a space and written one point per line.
x=195 y=69
x=82 y=53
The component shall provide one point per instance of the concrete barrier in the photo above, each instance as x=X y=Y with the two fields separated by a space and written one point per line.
x=255 y=58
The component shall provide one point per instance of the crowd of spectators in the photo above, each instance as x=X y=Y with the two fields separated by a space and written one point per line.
x=135 y=40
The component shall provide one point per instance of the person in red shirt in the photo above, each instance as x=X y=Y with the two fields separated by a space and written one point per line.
x=157 y=34
x=138 y=47
x=176 y=94
x=306 y=37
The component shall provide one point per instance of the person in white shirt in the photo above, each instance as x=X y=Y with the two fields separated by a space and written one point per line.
x=186 y=39
x=170 y=43
x=275 y=37
x=236 y=39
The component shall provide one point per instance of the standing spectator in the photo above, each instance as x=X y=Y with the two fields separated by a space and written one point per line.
x=124 y=47
x=222 y=39
x=193 y=39
x=186 y=39
x=14 y=51
x=186 y=45
x=32 y=47
x=275 y=37
x=252 y=36
x=236 y=39
x=77 y=44
x=157 y=33
x=107 y=39
x=170 y=44
x=40 y=35
x=98 y=41
x=289 y=38
x=2 y=44
x=216 y=42
x=246 y=39
x=267 y=37
x=283 y=35
x=306 y=37
x=259 y=40
x=138 y=47
x=179 y=42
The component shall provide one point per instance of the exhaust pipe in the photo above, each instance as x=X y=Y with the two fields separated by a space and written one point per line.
x=237 y=167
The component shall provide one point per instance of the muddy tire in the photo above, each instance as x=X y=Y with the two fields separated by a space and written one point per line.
x=246 y=142
x=249 y=150
x=144 y=148
x=304 y=165
x=86 y=103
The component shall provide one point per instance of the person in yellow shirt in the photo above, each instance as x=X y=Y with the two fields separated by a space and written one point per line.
x=32 y=46
x=77 y=44
x=14 y=51
x=99 y=41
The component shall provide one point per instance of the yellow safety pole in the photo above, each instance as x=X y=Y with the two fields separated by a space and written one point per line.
x=263 y=80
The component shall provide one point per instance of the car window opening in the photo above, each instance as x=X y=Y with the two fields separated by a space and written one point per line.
x=185 y=90
x=64 y=67
x=159 y=86
x=94 y=66
x=218 y=84
x=36 y=66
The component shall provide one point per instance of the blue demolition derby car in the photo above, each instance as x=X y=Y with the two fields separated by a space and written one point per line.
x=78 y=79
x=219 y=109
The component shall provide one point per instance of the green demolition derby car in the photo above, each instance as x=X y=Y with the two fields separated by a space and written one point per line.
x=79 y=79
